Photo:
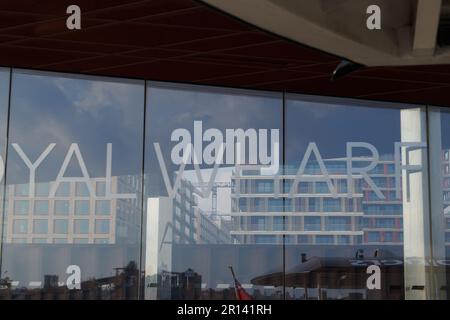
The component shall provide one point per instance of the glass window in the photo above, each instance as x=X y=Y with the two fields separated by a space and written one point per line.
x=62 y=207
x=39 y=240
x=22 y=190
x=21 y=207
x=42 y=189
x=388 y=236
x=19 y=240
x=305 y=187
x=81 y=240
x=216 y=215
x=63 y=189
x=312 y=223
x=82 y=124
x=276 y=205
x=102 y=226
x=40 y=226
x=323 y=138
x=258 y=223
x=81 y=189
x=373 y=237
x=100 y=188
x=332 y=205
x=265 y=239
x=210 y=117
x=81 y=207
x=322 y=187
x=259 y=204
x=338 y=223
x=102 y=207
x=264 y=186
x=243 y=204
x=278 y=223
x=385 y=223
x=343 y=239
x=314 y=204
x=324 y=240
x=20 y=226
x=101 y=241
x=303 y=239
x=41 y=207
x=61 y=226
x=81 y=226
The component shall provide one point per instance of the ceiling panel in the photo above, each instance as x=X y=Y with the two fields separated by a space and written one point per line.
x=187 y=41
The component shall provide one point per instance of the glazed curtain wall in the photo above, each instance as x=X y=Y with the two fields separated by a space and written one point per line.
x=126 y=189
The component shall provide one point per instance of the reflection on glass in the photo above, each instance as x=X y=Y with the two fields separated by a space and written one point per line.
x=196 y=233
x=440 y=184
x=352 y=204
x=361 y=189
x=74 y=153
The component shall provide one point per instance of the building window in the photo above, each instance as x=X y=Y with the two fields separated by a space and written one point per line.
x=385 y=223
x=243 y=204
x=332 y=205
x=81 y=240
x=322 y=187
x=305 y=187
x=264 y=186
x=63 y=189
x=258 y=223
x=21 y=190
x=19 y=240
x=338 y=223
x=276 y=205
x=278 y=224
x=314 y=205
x=21 y=207
x=303 y=239
x=41 y=207
x=259 y=204
x=61 y=226
x=100 y=188
x=324 y=239
x=101 y=241
x=42 y=189
x=81 y=207
x=388 y=237
x=20 y=226
x=59 y=240
x=102 y=226
x=265 y=239
x=39 y=240
x=373 y=236
x=40 y=226
x=342 y=186
x=447 y=237
x=312 y=224
x=81 y=226
x=81 y=189
x=62 y=207
x=342 y=239
x=102 y=207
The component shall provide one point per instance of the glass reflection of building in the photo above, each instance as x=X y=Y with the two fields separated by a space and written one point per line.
x=263 y=214
x=446 y=190
x=73 y=215
x=189 y=249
